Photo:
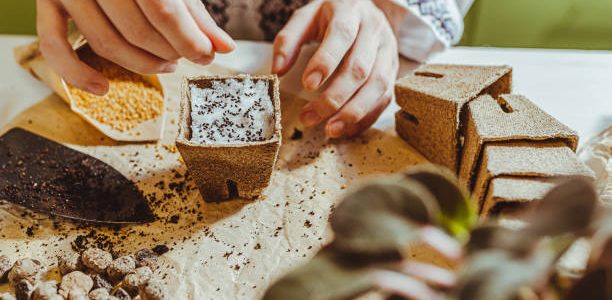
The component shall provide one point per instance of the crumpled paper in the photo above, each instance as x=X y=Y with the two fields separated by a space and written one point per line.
x=597 y=154
x=235 y=249
x=30 y=58
x=230 y=250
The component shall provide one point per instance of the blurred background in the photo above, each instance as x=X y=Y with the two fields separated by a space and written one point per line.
x=566 y=24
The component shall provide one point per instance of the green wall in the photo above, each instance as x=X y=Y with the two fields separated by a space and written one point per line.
x=17 y=17
x=578 y=24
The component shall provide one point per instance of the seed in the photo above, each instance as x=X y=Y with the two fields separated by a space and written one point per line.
x=130 y=100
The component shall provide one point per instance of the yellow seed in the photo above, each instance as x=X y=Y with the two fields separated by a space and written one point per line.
x=130 y=100
x=170 y=148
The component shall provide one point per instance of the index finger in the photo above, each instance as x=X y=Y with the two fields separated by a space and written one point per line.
x=222 y=42
x=174 y=21
x=288 y=42
x=338 y=39
x=51 y=24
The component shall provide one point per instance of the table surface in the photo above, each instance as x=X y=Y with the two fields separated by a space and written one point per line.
x=556 y=80
x=571 y=85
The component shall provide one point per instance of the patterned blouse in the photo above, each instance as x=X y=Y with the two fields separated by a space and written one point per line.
x=422 y=27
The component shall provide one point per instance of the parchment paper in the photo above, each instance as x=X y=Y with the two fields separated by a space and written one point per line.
x=231 y=250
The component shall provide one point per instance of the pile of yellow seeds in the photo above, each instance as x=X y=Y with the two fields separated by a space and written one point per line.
x=130 y=100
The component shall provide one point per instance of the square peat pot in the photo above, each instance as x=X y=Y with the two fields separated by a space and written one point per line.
x=432 y=100
x=225 y=170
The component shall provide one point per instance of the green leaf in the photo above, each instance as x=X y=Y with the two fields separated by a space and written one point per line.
x=493 y=236
x=328 y=276
x=570 y=207
x=601 y=241
x=457 y=211
x=382 y=216
x=498 y=274
x=597 y=280
x=564 y=214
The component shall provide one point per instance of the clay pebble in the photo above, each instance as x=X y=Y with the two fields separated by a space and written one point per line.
x=86 y=283
x=28 y=269
x=23 y=289
x=77 y=295
x=153 y=290
x=100 y=282
x=135 y=280
x=101 y=294
x=5 y=266
x=96 y=259
x=75 y=283
x=120 y=267
x=146 y=258
x=70 y=262
x=6 y=296
x=121 y=294
x=46 y=290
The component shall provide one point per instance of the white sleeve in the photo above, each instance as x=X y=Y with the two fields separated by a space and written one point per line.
x=425 y=27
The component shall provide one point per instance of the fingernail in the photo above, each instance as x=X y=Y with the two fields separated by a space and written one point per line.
x=231 y=41
x=169 y=68
x=204 y=59
x=228 y=39
x=279 y=61
x=335 y=129
x=310 y=118
x=97 y=88
x=313 y=80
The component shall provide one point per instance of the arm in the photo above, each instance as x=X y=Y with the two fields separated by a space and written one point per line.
x=425 y=27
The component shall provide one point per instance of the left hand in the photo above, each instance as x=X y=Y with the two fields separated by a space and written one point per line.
x=357 y=60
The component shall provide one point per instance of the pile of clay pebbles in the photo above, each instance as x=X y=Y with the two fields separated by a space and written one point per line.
x=93 y=274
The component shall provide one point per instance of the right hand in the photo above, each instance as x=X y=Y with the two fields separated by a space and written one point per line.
x=144 y=36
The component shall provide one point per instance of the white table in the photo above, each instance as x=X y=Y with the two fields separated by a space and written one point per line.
x=573 y=86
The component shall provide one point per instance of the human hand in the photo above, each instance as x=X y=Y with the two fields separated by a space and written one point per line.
x=144 y=36
x=357 y=59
